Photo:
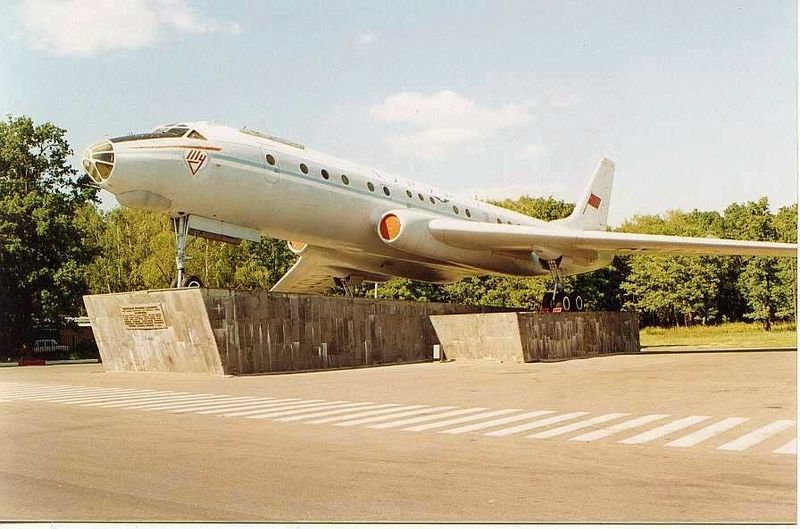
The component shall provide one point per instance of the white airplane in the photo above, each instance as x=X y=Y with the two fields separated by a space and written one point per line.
x=350 y=223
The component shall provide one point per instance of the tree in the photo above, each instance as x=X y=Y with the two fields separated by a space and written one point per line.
x=42 y=255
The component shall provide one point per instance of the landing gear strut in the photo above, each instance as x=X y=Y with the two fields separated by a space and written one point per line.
x=181 y=227
x=558 y=300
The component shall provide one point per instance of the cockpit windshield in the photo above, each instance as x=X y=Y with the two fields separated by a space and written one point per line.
x=173 y=130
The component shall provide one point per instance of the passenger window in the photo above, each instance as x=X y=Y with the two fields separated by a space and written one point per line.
x=370 y=186
x=325 y=174
x=270 y=159
x=345 y=180
x=304 y=168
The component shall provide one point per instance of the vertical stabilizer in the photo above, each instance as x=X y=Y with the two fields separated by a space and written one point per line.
x=591 y=209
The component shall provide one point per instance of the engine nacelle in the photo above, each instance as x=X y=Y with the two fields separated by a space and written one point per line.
x=408 y=231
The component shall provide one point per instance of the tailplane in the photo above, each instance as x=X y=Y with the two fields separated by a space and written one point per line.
x=591 y=209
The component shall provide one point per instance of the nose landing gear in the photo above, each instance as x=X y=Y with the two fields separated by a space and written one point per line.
x=180 y=226
x=558 y=300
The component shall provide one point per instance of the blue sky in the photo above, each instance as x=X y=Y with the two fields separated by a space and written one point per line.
x=695 y=101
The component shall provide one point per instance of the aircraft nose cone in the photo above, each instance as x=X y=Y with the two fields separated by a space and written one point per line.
x=98 y=161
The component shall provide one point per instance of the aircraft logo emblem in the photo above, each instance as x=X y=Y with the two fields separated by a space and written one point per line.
x=594 y=201
x=196 y=160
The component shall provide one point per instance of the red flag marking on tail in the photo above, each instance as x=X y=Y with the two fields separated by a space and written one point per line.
x=594 y=201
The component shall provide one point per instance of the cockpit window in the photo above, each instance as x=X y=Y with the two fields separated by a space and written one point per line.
x=167 y=131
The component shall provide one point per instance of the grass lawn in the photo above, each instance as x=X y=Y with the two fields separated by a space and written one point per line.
x=725 y=335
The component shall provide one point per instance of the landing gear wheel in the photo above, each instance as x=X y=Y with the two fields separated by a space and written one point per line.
x=577 y=302
x=547 y=302
x=565 y=302
x=191 y=282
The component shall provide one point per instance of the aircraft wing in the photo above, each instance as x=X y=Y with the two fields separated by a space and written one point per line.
x=309 y=275
x=482 y=236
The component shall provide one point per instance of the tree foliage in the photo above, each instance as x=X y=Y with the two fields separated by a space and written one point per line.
x=42 y=255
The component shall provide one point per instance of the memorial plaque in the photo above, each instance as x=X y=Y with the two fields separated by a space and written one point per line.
x=144 y=316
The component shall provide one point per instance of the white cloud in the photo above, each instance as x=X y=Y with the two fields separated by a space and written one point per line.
x=564 y=101
x=366 y=38
x=82 y=27
x=444 y=120
x=533 y=151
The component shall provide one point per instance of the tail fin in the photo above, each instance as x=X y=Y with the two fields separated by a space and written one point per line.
x=591 y=209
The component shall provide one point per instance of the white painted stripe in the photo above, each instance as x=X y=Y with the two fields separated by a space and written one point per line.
x=259 y=402
x=757 y=436
x=142 y=400
x=379 y=418
x=190 y=408
x=577 y=426
x=662 y=431
x=537 y=424
x=397 y=407
x=59 y=392
x=621 y=427
x=275 y=407
x=327 y=406
x=708 y=432
x=74 y=395
x=457 y=420
x=16 y=392
x=158 y=406
x=289 y=408
x=417 y=420
x=788 y=448
x=334 y=412
x=108 y=397
x=498 y=422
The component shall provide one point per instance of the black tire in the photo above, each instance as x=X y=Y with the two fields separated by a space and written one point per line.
x=566 y=302
x=547 y=302
x=577 y=303
x=191 y=282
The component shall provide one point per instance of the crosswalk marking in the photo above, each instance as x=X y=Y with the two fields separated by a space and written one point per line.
x=576 y=426
x=616 y=428
x=497 y=422
x=536 y=424
x=142 y=402
x=327 y=406
x=757 y=436
x=457 y=420
x=263 y=401
x=397 y=407
x=191 y=408
x=788 y=448
x=296 y=404
x=665 y=430
x=707 y=432
x=416 y=420
x=355 y=407
x=379 y=418
x=451 y=420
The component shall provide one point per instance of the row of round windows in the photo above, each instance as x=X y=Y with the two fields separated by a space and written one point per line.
x=386 y=191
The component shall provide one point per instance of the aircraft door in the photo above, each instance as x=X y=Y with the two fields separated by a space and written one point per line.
x=271 y=165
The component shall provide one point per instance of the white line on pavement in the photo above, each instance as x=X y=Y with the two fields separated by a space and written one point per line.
x=708 y=432
x=416 y=420
x=621 y=427
x=662 y=431
x=757 y=436
x=458 y=420
x=576 y=426
x=497 y=422
x=536 y=424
